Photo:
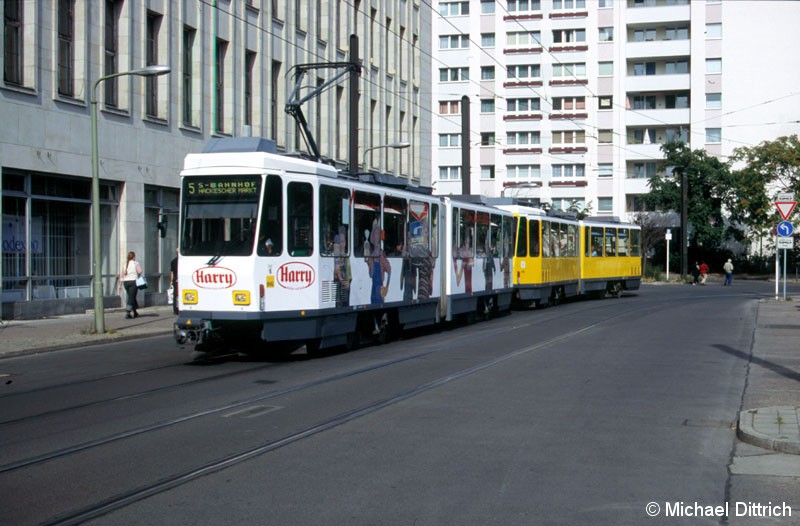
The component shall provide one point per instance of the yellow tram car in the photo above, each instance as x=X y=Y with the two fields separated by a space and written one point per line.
x=611 y=257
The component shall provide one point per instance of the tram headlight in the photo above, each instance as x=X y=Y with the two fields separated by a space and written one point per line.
x=241 y=297
x=190 y=297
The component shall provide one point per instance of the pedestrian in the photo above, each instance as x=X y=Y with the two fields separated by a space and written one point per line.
x=173 y=281
x=728 y=268
x=130 y=271
x=703 y=272
x=695 y=273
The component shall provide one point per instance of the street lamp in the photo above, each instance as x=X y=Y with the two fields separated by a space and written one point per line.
x=394 y=145
x=97 y=253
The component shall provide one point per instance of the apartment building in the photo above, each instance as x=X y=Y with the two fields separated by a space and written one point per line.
x=570 y=100
x=230 y=75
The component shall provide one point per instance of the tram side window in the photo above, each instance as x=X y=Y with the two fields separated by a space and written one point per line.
x=496 y=242
x=334 y=220
x=509 y=234
x=622 y=242
x=522 y=238
x=434 y=230
x=482 y=239
x=597 y=241
x=636 y=242
x=394 y=226
x=546 y=244
x=300 y=204
x=466 y=232
x=366 y=223
x=270 y=238
x=533 y=237
x=418 y=231
x=572 y=238
x=611 y=242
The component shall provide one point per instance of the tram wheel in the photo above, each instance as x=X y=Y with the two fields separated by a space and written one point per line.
x=616 y=289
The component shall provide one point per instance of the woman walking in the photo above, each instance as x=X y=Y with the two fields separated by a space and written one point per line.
x=130 y=271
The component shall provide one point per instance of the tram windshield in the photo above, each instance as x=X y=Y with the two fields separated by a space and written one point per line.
x=219 y=215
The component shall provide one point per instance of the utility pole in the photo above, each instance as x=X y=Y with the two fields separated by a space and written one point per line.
x=684 y=224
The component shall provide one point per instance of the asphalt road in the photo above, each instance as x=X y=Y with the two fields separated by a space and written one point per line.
x=578 y=414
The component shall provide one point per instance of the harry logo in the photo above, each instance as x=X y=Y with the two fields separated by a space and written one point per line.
x=214 y=278
x=295 y=275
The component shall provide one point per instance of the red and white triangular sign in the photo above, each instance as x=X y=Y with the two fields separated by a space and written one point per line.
x=785 y=208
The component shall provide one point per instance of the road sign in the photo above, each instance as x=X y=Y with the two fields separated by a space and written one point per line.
x=785 y=229
x=785 y=196
x=786 y=243
x=785 y=208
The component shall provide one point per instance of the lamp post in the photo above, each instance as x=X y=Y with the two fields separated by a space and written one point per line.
x=394 y=145
x=97 y=253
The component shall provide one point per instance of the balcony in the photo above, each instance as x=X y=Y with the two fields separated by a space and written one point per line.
x=657 y=82
x=658 y=117
x=662 y=13
x=658 y=49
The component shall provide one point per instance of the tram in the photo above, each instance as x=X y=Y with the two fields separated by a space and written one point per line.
x=277 y=251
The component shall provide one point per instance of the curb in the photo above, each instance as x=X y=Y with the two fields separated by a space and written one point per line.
x=746 y=431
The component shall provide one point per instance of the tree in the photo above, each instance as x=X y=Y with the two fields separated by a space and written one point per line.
x=709 y=185
x=770 y=167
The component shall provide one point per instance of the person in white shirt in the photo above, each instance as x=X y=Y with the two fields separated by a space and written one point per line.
x=130 y=271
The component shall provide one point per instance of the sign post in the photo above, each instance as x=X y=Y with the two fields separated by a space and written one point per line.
x=785 y=204
x=668 y=237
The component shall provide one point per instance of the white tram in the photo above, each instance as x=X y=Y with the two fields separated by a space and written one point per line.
x=276 y=251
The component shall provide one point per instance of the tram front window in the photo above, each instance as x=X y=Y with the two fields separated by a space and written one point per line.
x=219 y=215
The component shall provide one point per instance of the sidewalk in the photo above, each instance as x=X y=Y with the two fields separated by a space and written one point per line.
x=19 y=337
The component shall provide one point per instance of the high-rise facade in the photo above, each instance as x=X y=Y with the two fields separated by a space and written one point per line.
x=570 y=100
x=231 y=75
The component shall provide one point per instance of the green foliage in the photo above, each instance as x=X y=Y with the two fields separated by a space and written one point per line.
x=710 y=185
x=770 y=167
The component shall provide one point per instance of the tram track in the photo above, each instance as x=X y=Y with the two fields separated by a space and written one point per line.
x=142 y=492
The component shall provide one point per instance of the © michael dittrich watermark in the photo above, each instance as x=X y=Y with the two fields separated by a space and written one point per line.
x=729 y=509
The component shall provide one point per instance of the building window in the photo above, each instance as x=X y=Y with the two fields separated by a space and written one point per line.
x=453 y=74
x=606 y=34
x=158 y=251
x=219 y=88
x=713 y=65
x=487 y=72
x=523 y=171
x=523 y=105
x=487 y=39
x=569 y=70
x=249 y=64
x=186 y=75
x=487 y=105
x=453 y=41
x=605 y=204
x=644 y=68
x=679 y=67
x=561 y=36
x=523 y=138
x=454 y=8
x=487 y=171
x=487 y=7
x=605 y=169
x=606 y=3
x=713 y=135
x=449 y=107
x=645 y=102
x=569 y=4
x=713 y=101
x=449 y=140
x=13 y=43
x=274 y=99
x=521 y=6
x=605 y=102
x=713 y=30
x=66 y=35
x=449 y=173
x=605 y=68
x=151 y=59
x=644 y=35
x=569 y=103
x=566 y=204
x=524 y=71
x=605 y=136
x=677 y=33
x=644 y=170
x=676 y=101
x=111 y=50
x=523 y=38
x=568 y=171
x=487 y=139
x=569 y=137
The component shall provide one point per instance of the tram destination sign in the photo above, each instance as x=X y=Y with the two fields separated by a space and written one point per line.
x=228 y=187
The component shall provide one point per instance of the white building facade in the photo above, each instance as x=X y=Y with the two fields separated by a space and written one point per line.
x=570 y=100
x=230 y=64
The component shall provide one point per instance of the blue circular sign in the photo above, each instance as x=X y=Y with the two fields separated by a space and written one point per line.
x=785 y=229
